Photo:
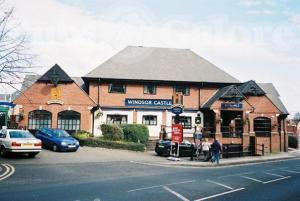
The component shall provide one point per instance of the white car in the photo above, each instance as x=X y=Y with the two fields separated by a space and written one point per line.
x=19 y=141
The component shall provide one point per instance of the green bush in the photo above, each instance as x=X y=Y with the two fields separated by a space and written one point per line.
x=100 y=142
x=82 y=134
x=293 y=142
x=135 y=133
x=112 y=132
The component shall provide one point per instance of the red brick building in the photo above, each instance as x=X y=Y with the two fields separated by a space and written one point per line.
x=138 y=83
x=55 y=100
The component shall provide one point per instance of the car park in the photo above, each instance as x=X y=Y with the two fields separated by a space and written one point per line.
x=57 y=139
x=19 y=142
x=163 y=148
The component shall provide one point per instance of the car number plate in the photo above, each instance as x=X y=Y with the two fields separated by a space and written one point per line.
x=27 y=145
x=72 y=146
x=161 y=146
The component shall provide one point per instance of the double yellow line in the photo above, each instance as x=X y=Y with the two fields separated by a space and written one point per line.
x=8 y=171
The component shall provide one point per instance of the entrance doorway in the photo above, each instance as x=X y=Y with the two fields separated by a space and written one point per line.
x=3 y=119
x=252 y=146
x=232 y=123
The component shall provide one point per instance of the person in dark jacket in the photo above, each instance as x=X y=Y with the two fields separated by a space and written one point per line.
x=216 y=150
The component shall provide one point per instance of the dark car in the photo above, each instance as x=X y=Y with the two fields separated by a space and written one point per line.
x=57 y=139
x=163 y=148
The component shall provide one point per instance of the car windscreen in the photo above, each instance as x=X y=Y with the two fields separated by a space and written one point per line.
x=20 y=134
x=61 y=133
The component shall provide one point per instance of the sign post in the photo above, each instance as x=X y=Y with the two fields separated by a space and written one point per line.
x=177 y=128
x=177 y=136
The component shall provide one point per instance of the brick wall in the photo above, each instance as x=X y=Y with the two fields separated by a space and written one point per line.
x=73 y=98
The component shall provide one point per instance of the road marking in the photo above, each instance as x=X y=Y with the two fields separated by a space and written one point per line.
x=10 y=168
x=267 y=182
x=220 y=194
x=253 y=179
x=157 y=186
x=6 y=171
x=291 y=171
x=234 y=175
x=175 y=193
x=225 y=186
x=276 y=175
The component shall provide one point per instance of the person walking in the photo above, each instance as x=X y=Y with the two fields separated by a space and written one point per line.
x=205 y=149
x=216 y=150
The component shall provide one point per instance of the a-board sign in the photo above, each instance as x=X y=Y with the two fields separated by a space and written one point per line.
x=177 y=133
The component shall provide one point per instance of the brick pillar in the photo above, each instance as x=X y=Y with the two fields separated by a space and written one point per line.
x=218 y=134
x=164 y=117
x=134 y=116
x=282 y=135
x=251 y=122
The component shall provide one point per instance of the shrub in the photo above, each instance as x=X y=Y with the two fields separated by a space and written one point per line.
x=82 y=134
x=293 y=142
x=112 y=132
x=100 y=142
x=135 y=133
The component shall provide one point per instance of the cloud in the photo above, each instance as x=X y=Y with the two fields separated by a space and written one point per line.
x=80 y=41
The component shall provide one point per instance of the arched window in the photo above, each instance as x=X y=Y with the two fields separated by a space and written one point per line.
x=68 y=120
x=39 y=119
x=262 y=127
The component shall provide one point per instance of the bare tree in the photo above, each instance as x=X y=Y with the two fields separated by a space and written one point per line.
x=15 y=59
x=296 y=118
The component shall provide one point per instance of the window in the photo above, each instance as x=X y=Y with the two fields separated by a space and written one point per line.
x=185 y=90
x=150 y=120
x=68 y=120
x=116 y=88
x=149 y=89
x=185 y=121
x=116 y=119
x=262 y=127
x=20 y=134
x=39 y=119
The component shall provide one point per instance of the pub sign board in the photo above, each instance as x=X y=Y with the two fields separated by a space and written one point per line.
x=148 y=102
x=231 y=106
x=177 y=109
x=177 y=133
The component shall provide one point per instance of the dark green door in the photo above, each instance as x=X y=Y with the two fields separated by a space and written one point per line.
x=3 y=116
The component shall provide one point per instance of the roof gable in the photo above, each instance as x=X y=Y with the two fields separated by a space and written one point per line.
x=229 y=93
x=274 y=96
x=160 y=64
x=250 y=88
x=55 y=74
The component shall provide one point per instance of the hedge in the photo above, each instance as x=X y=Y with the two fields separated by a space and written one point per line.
x=100 y=142
x=293 y=142
x=112 y=132
x=135 y=133
x=81 y=135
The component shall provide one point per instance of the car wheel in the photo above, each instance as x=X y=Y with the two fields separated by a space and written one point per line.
x=55 y=148
x=32 y=155
x=3 y=152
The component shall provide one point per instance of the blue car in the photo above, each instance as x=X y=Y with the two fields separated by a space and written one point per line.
x=57 y=139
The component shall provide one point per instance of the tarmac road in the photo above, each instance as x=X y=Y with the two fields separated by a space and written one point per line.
x=127 y=181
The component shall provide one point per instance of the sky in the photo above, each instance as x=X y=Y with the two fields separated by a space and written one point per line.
x=250 y=39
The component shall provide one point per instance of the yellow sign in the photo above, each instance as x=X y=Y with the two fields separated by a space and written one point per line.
x=55 y=96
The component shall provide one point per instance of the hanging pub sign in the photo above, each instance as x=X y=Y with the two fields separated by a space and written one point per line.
x=177 y=133
x=231 y=106
x=177 y=109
